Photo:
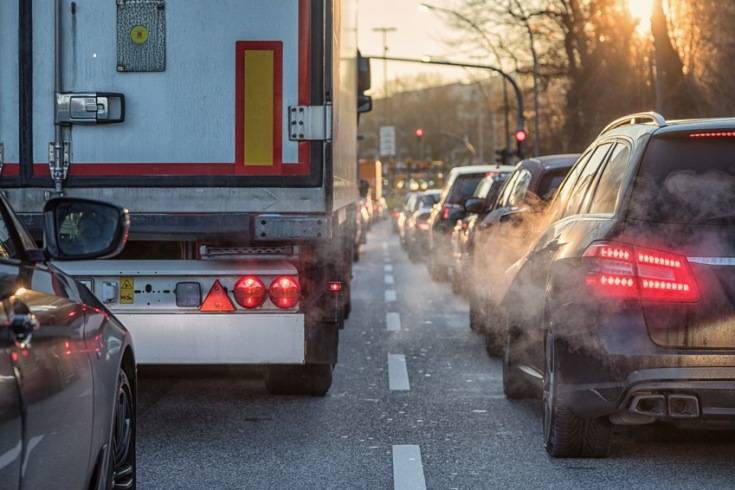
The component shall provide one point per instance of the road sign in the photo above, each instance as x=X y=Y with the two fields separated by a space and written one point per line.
x=387 y=141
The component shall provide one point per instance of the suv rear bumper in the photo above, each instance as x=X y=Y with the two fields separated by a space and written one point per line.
x=687 y=392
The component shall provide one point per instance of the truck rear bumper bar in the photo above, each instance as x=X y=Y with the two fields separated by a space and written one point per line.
x=217 y=339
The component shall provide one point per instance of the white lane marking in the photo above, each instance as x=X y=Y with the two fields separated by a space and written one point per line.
x=390 y=295
x=386 y=259
x=408 y=471
x=384 y=245
x=388 y=268
x=389 y=279
x=397 y=373
x=393 y=321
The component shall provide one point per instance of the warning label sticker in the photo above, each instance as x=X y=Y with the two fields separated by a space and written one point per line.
x=127 y=290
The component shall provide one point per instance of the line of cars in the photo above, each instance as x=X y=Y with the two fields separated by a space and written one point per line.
x=606 y=281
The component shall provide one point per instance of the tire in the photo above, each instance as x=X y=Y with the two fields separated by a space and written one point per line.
x=456 y=283
x=121 y=469
x=477 y=317
x=308 y=380
x=565 y=434
x=356 y=254
x=515 y=385
x=495 y=338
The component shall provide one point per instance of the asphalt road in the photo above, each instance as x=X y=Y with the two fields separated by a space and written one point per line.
x=415 y=401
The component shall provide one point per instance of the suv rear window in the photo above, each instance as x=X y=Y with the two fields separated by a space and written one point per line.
x=683 y=180
x=463 y=188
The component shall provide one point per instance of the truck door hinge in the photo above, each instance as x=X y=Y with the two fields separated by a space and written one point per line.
x=59 y=159
x=310 y=123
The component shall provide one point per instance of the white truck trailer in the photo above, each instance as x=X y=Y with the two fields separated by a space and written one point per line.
x=228 y=129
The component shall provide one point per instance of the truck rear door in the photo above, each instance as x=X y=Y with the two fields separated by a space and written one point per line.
x=156 y=93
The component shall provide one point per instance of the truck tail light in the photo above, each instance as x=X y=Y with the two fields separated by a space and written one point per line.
x=217 y=300
x=285 y=291
x=625 y=271
x=250 y=292
x=335 y=286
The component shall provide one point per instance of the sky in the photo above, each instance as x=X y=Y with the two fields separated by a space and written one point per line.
x=418 y=34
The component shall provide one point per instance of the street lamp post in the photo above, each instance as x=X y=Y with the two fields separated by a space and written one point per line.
x=520 y=119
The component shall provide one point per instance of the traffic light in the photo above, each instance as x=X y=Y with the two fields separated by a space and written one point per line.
x=520 y=136
x=419 y=135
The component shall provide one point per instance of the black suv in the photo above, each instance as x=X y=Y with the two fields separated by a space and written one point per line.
x=624 y=310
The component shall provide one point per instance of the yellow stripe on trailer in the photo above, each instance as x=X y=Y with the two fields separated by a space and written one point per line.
x=259 y=94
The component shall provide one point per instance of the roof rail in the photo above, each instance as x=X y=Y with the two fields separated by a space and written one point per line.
x=639 y=118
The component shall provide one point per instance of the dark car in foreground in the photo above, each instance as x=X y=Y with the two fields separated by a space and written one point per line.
x=503 y=235
x=463 y=235
x=460 y=185
x=622 y=312
x=67 y=369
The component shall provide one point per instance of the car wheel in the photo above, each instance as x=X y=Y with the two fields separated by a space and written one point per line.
x=308 y=380
x=515 y=385
x=494 y=334
x=476 y=315
x=121 y=473
x=456 y=282
x=565 y=434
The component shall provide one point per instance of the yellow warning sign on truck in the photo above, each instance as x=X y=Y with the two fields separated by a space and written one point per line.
x=127 y=290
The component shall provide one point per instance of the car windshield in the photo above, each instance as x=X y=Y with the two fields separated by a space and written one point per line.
x=685 y=180
x=428 y=200
x=464 y=186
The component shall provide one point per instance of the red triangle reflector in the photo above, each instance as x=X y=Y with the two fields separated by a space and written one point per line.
x=217 y=300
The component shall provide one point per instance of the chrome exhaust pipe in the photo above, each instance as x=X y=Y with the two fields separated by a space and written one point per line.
x=649 y=404
x=683 y=406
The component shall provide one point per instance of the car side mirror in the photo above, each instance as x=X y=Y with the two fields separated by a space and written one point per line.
x=475 y=206
x=79 y=229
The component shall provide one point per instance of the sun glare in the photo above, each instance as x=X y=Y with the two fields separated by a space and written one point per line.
x=642 y=10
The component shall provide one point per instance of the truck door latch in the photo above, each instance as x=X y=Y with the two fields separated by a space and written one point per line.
x=90 y=108
x=310 y=123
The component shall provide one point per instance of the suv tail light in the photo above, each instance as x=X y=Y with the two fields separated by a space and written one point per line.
x=445 y=212
x=250 y=292
x=217 y=300
x=626 y=271
x=285 y=292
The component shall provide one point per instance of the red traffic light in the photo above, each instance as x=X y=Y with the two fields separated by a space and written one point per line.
x=419 y=133
x=521 y=136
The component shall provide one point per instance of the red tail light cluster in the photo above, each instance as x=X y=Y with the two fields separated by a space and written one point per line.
x=250 y=293
x=625 y=271
x=285 y=292
x=445 y=212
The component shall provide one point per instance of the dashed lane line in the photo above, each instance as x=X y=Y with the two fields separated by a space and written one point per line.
x=408 y=471
x=393 y=321
x=389 y=279
x=397 y=373
x=388 y=268
x=390 y=295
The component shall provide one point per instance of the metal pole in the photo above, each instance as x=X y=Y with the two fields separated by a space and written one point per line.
x=57 y=171
x=520 y=118
x=25 y=89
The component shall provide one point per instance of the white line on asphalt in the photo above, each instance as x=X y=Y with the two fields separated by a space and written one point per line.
x=385 y=246
x=388 y=268
x=389 y=279
x=397 y=373
x=408 y=471
x=390 y=295
x=393 y=321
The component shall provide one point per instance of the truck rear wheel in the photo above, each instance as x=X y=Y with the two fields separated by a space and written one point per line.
x=308 y=380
